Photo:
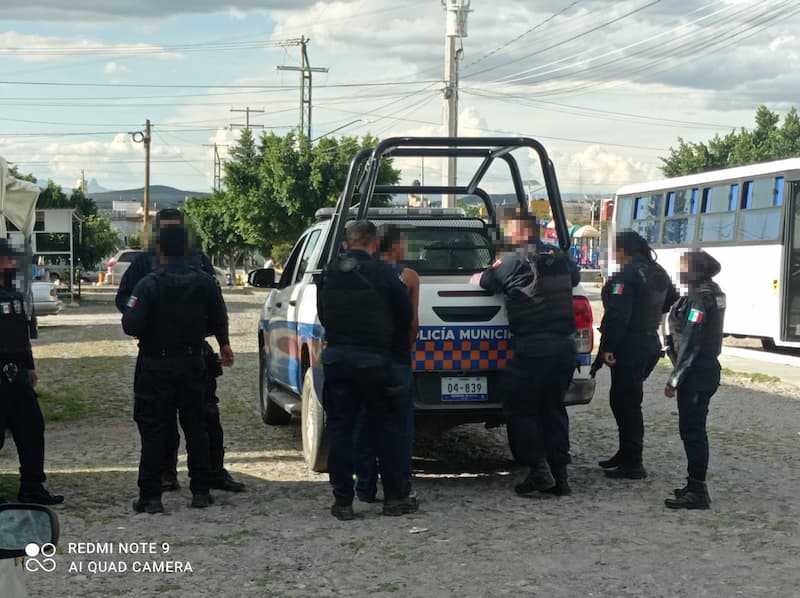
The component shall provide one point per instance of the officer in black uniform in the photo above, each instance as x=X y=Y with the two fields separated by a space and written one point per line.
x=361 y=304
x=537 y=282
x=19 y=408
x=695 y=342
x=170 y=312
x=634 y=299
x=141 y=266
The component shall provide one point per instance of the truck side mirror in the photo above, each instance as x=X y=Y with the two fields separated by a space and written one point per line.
x=263 y=278
x=25 y=528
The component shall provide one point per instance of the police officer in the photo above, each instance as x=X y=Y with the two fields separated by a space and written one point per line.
x=19 y=408
x=362 y=304
x=141 y=266
x=634 y=299
x=170 y=312
x=537 y=281
x=392 y=251
x=695 y=324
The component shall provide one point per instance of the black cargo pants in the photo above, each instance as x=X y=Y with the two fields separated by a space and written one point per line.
x=534 y=385
x=20 y=413
x=163 y=387
x=694 y=396
x=635 y=361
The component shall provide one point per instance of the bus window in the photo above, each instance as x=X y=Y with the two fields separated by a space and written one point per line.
x=717 y=218
x=624 y=213
x=762 y=207
x=679 y=231
x=647 y=216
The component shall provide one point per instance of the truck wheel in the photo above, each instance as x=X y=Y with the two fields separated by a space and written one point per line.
x=271 y=413
x=312 y=426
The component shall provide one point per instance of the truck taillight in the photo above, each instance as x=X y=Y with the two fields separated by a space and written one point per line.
x=53 y=292
x=111 y=264
x=584 y=336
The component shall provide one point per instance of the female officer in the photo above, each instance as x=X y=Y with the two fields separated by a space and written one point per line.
x=695 y=324
x=634 y=298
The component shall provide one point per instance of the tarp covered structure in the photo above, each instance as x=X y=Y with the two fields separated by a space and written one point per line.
x=18 y=205
x=17 y=202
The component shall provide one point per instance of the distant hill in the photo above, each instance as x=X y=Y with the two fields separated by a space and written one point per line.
x=161 y=196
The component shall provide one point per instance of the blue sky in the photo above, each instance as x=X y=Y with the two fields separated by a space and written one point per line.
x=608 y=86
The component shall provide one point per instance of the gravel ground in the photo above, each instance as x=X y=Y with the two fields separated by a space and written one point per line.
x=472 y=535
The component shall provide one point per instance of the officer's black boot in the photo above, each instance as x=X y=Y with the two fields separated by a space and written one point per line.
x=148 y=505
x=342 y=511
x=695 y=497
x=614 y=461
x=201 y=500
x=38 y=495
x=222 y=480
x=562 y=484
x=539 y=478
x=627 y=472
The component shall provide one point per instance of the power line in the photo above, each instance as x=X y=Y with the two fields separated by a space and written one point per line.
x=212 y=85
x=520 y=36
x=572 y=38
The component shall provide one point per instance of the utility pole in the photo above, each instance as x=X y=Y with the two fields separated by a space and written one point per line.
x=305 y=70
x=83 y=181
x=144 y=137
x=247 y=110
x=456 y=12
x=217 y=165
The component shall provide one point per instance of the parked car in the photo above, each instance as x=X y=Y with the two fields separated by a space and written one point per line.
x=45 y=299
x=119 y=263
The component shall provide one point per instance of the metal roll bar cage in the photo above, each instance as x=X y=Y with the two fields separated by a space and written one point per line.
x=362 y=177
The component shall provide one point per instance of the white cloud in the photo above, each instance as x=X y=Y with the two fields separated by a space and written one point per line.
x=114 y=68
x=596 y=168
x=39 y=48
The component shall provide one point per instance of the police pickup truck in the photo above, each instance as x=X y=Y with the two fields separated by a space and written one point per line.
x=464 y=340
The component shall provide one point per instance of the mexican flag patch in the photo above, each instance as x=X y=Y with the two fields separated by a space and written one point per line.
x=695 y=315
x=617 y=289
x=132 y=301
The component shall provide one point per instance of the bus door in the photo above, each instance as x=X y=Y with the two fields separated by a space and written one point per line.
x=791 y=288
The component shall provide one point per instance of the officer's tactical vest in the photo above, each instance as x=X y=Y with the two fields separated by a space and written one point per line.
x=181 y=311
x=13 y=324
x=652 y=285
x=714 y=303
x=544 y=306
x=354 y=309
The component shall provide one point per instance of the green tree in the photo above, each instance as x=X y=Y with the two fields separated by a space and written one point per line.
x=273 y=188
x=767 y=141
x=13 y=170
x=96 y=240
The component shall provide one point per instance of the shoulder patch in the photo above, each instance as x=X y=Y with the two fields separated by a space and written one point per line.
x=132 y=301
x=617 y=289
x=695 y=315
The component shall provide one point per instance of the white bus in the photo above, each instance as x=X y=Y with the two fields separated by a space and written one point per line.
x=748 y=218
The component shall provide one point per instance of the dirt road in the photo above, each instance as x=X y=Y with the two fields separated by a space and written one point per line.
x=472 y=536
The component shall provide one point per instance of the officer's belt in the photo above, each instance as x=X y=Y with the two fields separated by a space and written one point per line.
x=189 y=351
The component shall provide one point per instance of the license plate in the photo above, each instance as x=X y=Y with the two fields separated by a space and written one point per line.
x=473 y=388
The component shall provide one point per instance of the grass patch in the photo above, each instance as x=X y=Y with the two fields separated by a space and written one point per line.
x=751 y=376
x=71 y=405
